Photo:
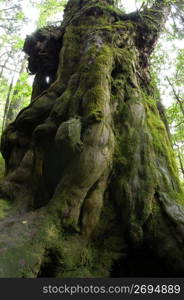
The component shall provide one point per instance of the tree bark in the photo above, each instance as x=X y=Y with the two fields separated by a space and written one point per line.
x=91 y=182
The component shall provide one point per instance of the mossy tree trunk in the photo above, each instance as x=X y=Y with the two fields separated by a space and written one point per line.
x=91 y=186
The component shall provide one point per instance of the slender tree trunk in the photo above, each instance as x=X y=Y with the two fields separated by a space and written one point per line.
x=3 y=66
x=15 y=104
x=7 y=103
x=176 y=96
x=179 y=155
x=91 y=179
x=181 y=163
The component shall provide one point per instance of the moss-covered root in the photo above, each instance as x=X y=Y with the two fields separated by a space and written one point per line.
x=89 y=138
x=83 y=173
x=92 y=207
x=23 y=242
x=34 y=244
x=164 y=234
x=147 y=190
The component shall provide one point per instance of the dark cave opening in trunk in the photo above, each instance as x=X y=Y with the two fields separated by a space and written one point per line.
x=48 y=266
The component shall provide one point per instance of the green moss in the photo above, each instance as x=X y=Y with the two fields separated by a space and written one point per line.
x=4 y=208
x=107 y=244
x=160 y=139
x=103 y=26
x=70 y=54
x=178 y=196
x=79 y=273
x=23 y=242
x=94 y=97
x=125 y=58
x=2 y=166
x=143 y=156
x=94 y=82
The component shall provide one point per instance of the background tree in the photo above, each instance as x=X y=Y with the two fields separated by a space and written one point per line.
x=20 y=96
x=176 y=110
x=13 y=22
x=91 y=186
x=12 y=19
x=167 y=72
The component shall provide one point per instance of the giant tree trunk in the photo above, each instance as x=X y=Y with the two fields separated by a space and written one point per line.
x=91 y=186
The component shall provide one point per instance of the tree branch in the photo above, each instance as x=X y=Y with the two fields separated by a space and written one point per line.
x=159 y=12
x=176 y=95
x=179 y=158
x=180 y=123
x=152 y=22
x=9 y=69
x=9 y=8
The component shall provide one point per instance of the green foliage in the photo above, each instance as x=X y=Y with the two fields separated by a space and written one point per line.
x=18 y=43
x=50 y=11
x=13 y=24
x=176 y=122
x=177 y=16
x=23 y=89
x=168 y=74
x=175 y=112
